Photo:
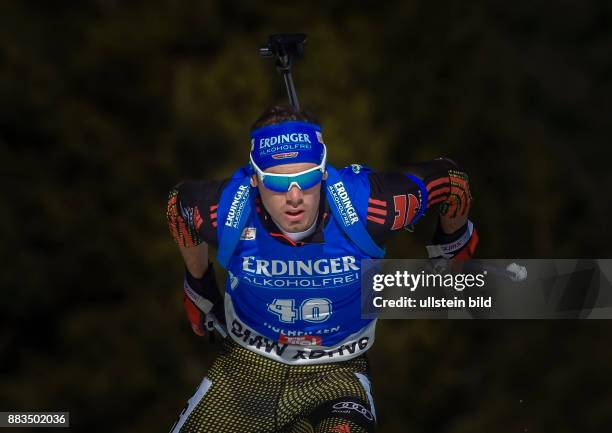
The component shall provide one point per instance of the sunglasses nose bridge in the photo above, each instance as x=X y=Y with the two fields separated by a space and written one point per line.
x=292 y=184
x=294 y=195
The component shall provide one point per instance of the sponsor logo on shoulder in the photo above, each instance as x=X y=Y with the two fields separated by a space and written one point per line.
x=248 y=234
x=238 y=203
x=356 y=168
x=285 y=155
x=343 y=203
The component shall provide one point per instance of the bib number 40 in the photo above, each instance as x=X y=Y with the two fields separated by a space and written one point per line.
x=313 y=310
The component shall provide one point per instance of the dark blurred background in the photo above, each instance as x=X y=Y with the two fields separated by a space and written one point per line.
x=104 y=105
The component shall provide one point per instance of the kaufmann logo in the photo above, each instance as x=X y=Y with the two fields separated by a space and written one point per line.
x=237 y=206
x=274 y=268
x=343 y=203
x=284 y=138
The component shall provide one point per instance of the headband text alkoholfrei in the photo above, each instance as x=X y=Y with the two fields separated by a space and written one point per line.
x=287 y=143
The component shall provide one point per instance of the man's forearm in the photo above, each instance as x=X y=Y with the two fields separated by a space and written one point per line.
x=196 y=259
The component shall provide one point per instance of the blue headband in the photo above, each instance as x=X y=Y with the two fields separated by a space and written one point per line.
x=287 y=143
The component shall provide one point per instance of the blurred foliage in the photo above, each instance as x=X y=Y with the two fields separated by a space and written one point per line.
x=107 y=104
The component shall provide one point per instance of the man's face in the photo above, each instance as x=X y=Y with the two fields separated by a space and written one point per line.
x=295 y=210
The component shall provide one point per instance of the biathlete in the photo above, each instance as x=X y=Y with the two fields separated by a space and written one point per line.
x=291 y=232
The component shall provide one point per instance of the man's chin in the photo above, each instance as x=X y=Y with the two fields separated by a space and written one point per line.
x=296 y=226
x=293 y=227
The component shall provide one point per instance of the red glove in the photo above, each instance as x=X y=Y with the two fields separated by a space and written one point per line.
x=203 y=304
x=195 y=315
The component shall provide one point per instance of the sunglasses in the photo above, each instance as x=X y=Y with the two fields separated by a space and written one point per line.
x=284 y=182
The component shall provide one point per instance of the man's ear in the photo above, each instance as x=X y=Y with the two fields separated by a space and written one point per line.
x=253 y=180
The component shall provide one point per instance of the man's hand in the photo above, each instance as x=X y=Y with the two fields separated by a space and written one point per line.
x=202 y=323
x=454 y=210
x=456 y=238
x=203 y=303
x=450 y=225
x=448 y=187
